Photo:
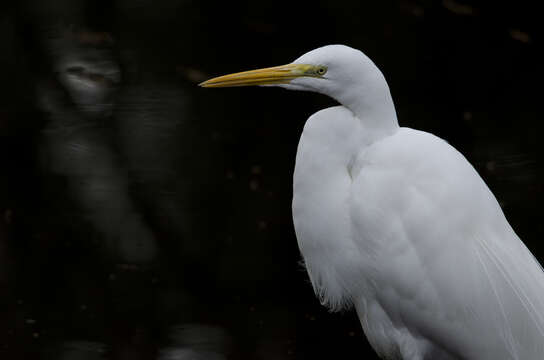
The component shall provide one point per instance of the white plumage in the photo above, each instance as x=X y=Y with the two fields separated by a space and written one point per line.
x=398 y=224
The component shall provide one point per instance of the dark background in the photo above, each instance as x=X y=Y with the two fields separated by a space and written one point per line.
x=143 y=217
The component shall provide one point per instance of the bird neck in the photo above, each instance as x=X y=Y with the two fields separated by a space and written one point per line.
x=369 y=98
x=374 y=107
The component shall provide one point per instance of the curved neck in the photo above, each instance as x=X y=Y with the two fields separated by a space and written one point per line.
x=372 y=104
x=364 y=91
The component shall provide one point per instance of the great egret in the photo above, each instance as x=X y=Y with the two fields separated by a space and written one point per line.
x=397 y=223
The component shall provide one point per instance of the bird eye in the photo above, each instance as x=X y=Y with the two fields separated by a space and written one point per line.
x=321 y=70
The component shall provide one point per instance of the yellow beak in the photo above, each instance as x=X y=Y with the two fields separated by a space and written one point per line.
x=267 y=76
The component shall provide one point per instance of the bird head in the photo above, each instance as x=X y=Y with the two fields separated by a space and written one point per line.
x=338 y=71
x=326 y=70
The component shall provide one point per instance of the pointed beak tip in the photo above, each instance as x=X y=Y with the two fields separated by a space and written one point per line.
x=265 y=76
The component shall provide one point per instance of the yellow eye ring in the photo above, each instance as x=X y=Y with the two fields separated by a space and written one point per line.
x=321 y=70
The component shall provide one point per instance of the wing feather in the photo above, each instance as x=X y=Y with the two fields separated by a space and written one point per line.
x=454 y=272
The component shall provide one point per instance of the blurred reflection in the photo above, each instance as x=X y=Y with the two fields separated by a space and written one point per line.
x=81 y=145
x=85 y=66
x=125 y=145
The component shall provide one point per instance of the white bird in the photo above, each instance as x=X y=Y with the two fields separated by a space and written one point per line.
x=396 y=223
